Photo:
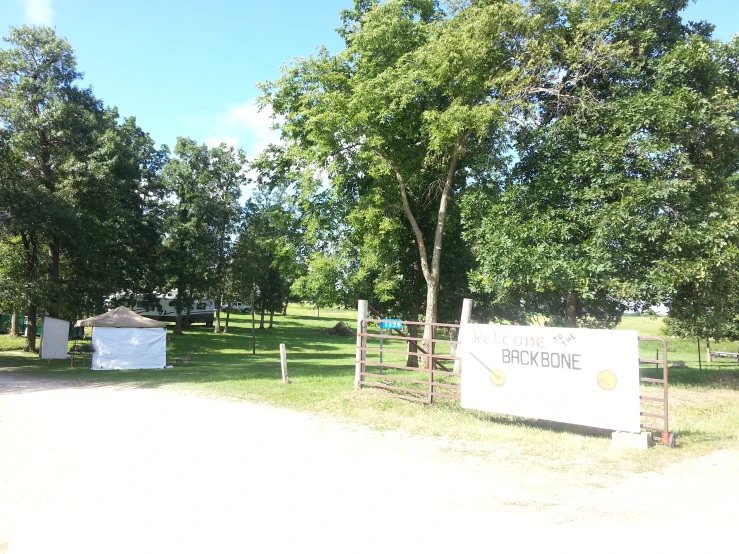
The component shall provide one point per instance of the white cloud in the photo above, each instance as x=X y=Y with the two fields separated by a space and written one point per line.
x=39 y=12
x=244 y=126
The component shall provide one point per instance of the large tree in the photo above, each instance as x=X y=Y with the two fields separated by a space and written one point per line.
x=205 y=184
x=420 y=98
x=624 y=184
x=266 y=258
x=78 y=188
x=227 y=168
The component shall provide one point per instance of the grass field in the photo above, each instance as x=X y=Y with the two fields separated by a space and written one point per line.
x=704 y=404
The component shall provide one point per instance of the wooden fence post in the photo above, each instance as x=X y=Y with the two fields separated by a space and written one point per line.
x=362 y=314
x=464 y=318
x=283 y=362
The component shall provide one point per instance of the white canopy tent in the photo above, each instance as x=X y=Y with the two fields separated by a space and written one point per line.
x=122 y=339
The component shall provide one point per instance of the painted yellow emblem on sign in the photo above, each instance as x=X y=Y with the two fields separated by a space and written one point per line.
x=497 y=378
x=607 y=379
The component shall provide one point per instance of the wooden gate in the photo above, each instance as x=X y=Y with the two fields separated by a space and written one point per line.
x=385 y=358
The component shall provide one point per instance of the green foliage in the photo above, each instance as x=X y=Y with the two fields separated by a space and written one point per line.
x=624 y=187
x=322 y=284
x=205 y=184
x=79 y=188
x=414 y=109
x=12 y=294
x=557 y=157
x=265 y=258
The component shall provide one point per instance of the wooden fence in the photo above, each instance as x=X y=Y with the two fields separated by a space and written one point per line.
x=432 y=370
x=418 y=369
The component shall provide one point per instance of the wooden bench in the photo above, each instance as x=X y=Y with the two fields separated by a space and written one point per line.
x=185 y=360
x=724 y=355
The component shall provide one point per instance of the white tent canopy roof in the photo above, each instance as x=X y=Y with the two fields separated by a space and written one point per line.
x=120 y=317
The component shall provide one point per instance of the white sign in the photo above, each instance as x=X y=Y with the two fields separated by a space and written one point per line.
x=54 y=339
x=581 y=376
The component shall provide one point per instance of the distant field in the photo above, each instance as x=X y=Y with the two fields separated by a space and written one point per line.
x=704 y=407
x=679 y=349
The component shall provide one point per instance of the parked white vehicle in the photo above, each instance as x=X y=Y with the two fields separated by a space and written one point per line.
x=162 y=307
x=237 y=307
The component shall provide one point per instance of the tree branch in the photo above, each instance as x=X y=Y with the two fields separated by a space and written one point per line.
x=414 y=226
x=443 y=203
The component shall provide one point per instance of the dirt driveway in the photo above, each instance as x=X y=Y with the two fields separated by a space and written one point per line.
x=109 y=470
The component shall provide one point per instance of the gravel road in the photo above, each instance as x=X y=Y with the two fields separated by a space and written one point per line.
x=102 y=470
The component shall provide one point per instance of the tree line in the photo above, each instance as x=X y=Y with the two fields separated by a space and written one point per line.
x=564 y=158
x=90 y=206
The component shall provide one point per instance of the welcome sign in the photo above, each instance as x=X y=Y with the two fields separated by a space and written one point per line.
x=581 y=376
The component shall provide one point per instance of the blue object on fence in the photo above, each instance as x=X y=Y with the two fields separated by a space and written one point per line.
x=391 y=324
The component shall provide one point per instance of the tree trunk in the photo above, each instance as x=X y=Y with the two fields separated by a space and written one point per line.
x=708 y=350
x=31 y=329
x=217 y=326
x=14 y=325
x=410 y=359
x=53 y=306
x=30 y=245
x=261 y=321
x=187 y=321
x=228 y=313
x=572 y=309
x=178 y=307
x=418 y=280
x=271 y=318
x=253 y=336
x=284 y=308
x=432 y=296
x=431 y=270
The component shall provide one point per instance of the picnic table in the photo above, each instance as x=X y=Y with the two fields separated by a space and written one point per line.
x=713 y=355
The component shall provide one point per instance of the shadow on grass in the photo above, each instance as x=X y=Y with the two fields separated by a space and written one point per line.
x=296 y=338
x=697 y=437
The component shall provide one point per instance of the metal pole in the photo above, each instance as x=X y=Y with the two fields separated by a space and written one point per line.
x=253 y=337
x=381 y=333
x=700 y=367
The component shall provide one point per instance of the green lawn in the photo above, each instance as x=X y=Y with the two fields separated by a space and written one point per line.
x=320 y=365
x=704 y=404
x=686 y=351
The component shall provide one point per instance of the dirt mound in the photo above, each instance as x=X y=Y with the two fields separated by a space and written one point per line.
x=340 y=329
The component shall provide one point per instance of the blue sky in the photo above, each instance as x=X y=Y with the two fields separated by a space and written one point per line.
x=188 y=68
